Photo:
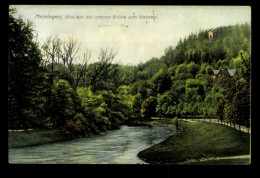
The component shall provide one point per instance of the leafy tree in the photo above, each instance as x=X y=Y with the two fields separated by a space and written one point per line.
x=203 y=68
x=182 y=68
x=209 y=70
x=222 y=63
x=25 y=76
x=140 y=87
x=182 y=72
x=161 y=81
x=150 y=68
x=241 y=105
x=166 y=104
x=246 y=68
x=148 y=109
x=65 y=103
x=172 y=70
x=235 y=106
x=127 y=74
x=94 y=109
x=193 y=68
x=169 y=56
x=240 y=61
x=178 y=89
x=194 y=90
x=136 y=106
x=212 y=99
x=180 y=56
x=117 y=107
x=125 y=101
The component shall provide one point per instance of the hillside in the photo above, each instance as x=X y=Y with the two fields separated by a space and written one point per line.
x=181 y=80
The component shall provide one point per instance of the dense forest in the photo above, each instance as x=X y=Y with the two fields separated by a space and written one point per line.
x=47 y=89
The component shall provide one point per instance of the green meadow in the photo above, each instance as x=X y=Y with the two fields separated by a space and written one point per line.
x=198 y=140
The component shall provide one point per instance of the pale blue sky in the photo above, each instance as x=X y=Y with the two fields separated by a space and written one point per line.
x=137 y=40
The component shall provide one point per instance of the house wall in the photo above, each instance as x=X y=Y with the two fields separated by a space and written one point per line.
x=210 y=34
x=221 y=75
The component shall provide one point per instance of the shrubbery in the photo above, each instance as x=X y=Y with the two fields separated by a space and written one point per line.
x=78 y=126
x=149 y=107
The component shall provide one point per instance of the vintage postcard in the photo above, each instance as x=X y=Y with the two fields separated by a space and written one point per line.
x=129 y=84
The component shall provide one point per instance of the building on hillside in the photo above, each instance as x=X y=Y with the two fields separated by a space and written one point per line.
x=227 y=73
x=211 y=34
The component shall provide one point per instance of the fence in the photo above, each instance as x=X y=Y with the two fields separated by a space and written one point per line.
x=197 y=118
x=214 y=120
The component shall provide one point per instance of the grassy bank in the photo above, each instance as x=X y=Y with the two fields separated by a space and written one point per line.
x=18 y=139
x=34 y=137
x=197 y=140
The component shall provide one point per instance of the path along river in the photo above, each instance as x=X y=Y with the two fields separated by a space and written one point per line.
x=112 y=147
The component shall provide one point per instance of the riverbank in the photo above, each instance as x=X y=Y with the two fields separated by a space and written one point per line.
x=34 y=137
x=196 y=141
x=119 y=146
x=25 y=138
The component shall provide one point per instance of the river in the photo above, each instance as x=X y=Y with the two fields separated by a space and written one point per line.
x=112 y=147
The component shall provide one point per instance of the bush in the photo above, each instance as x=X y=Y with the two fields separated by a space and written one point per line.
x=101 y=121
x=78 y=126
x=166 y=104
x=193 y=89
x=116 y=118
x=149 y=107
x=64 y=103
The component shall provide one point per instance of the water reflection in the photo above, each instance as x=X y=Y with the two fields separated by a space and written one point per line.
x=111 y=147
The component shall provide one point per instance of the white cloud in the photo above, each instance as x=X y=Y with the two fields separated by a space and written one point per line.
x=137 y=40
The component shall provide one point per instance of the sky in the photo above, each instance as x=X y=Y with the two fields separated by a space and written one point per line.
x=138 y=33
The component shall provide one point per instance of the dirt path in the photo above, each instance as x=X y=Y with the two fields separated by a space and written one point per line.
x=216 y=121
x=215 y=158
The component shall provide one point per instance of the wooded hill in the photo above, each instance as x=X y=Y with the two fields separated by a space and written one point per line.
x=46 y=89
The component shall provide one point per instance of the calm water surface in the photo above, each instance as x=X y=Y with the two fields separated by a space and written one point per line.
x=111 y=147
